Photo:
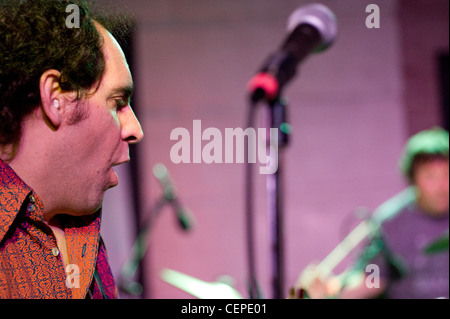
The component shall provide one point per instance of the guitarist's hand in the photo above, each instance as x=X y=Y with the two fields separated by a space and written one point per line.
x=314 y=284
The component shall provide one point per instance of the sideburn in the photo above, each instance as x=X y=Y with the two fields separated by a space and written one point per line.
x=80 y=112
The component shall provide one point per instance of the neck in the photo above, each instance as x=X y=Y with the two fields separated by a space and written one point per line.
x=431 y=211
x=33 y=161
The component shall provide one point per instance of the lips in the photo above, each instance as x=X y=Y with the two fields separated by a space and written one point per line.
x=113 y=177
x=121 y=162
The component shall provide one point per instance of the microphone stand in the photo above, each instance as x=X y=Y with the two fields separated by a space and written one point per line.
x=277 y=118
x=126 y=280
x=140 y=246
x=253 y=287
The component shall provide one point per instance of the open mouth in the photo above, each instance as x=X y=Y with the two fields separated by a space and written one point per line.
x=113 y=178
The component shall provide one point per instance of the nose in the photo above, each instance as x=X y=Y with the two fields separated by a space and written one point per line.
x=131 y=128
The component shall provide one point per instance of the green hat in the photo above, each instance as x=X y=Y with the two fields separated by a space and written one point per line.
x=432 y=142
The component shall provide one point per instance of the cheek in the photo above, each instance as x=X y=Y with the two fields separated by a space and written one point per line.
x=434 y=189
x=101 y=136
x=109 y=135
x=428 y=186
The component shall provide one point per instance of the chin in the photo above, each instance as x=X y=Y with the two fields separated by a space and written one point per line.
x=439 y=211
x=441 y=206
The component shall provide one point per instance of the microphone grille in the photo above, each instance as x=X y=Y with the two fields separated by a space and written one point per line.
x=320 y=17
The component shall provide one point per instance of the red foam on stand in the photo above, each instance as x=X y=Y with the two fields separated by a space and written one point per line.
x=266 y=82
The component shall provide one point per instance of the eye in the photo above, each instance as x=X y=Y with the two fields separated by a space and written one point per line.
x=121 y=103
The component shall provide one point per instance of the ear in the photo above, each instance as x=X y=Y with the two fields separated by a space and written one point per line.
x=51 y=97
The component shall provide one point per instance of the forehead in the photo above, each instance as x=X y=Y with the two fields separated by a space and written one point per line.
x=117 y=72
x=433 y=164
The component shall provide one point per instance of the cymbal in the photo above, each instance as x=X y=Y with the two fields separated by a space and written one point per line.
x=199 y=288
x=439 y=245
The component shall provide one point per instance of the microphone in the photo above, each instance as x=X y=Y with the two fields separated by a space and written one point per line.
x=171 y=195
x=312 y=28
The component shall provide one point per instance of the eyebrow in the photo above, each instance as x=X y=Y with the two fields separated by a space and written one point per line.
x=125 y=91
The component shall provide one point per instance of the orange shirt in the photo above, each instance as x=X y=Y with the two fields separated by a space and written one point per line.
x=31 y=265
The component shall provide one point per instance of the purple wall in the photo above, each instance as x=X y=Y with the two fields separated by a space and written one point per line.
x=348 y=113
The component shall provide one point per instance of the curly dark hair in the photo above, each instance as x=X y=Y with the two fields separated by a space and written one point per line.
x=34 y=38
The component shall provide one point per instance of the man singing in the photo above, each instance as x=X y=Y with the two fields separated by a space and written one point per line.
x=65 y=122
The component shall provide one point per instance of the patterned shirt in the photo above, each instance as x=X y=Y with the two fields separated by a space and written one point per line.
x=31 y=265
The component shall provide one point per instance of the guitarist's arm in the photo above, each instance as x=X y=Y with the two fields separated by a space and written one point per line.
x=352 y=284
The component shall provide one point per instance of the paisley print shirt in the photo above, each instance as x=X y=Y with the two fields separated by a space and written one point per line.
x=31 y=265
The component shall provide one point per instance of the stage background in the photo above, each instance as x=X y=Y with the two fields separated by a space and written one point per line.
x=351 y=108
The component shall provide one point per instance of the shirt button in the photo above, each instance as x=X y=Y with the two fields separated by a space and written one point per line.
x=31 y=208
x=55 y=251
x=32 y=199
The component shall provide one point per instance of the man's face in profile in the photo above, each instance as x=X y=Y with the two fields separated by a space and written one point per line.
x=100 y=141
x=432 y=181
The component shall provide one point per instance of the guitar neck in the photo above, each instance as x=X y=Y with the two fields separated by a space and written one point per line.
x=350 y=242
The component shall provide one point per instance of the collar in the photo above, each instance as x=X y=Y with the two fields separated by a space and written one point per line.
x=83 y=240
x=13 y=192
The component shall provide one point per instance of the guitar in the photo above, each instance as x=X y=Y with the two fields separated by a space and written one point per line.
x=317 y=277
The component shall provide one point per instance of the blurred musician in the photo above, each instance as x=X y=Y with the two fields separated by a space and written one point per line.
x=401 y=248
